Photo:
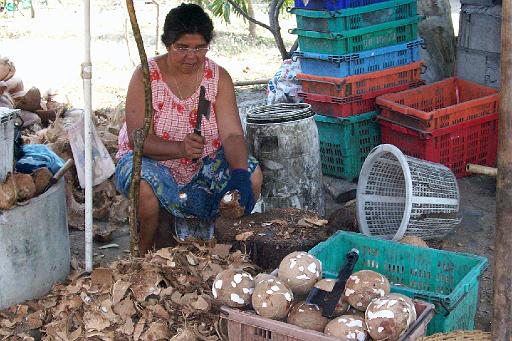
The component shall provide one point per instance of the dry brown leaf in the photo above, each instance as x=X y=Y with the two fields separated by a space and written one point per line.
x=125 y=308
x=106 y=310
x=118 y=291
x=160 y=311
x=200 y=304
x=102 y=277
x=176 y=297
x=316 y=221
x=139 y=327
x=75 y=335
x=35 y=320
x=184 y=335
x=94 y=320
x=221 y=250
x=127 y=328
x=156 y=331
x=304 y=223
x=244 y=235
x=146 y=283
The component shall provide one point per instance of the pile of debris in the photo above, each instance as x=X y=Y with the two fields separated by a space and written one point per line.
x=166 y=295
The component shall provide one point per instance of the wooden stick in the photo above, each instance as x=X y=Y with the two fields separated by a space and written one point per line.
x=254 y=82
x=483 y=170
x=139 y=135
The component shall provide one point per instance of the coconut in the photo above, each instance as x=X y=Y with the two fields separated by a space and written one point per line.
x=230 y=205
x=364 y=286
x=307 y=316
x=233 y=288
x=25 y=186
x=272 y=299
x=8 y=193
x=353 y=311
x=388 y=317
x=262 y=277
x=41 y=178
x=300 y=271
x=413 y=240
x=327 y=285
x=347 y=327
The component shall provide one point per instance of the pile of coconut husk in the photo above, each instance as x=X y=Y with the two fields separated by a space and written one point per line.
x=166 y=295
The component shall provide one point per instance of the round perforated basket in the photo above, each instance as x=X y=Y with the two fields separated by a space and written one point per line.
x=399 y=195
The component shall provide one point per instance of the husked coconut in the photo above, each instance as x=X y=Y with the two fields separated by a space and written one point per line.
x=300 y=271
x=41 y=178
x=272 y=299
x=363 y=287
x=413 y=240
x=327 y=284
x=262 y=277
x=388 y=317
x=233 y=288
x=307 y=316
x=353 y=311
x=230 y=205
x=25 y=186
x=8 y=193
x=347 y=327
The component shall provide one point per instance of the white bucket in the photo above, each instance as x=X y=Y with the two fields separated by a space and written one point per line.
x=399 y=195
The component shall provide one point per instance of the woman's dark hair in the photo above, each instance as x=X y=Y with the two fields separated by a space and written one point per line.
x=186 y=18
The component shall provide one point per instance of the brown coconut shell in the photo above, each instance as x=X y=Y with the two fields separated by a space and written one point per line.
x=413 y=240
x=272 y=299
x=300 y=271
x=230 y=205
x=8 y=193
x=261 y=277
x=31 y=101
x=25 y=186
x=307 y=316
x=347 y=327
x=364 y=286
x=233 y=287
x=41 y=178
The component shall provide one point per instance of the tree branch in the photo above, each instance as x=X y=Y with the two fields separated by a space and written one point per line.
x=247 y=16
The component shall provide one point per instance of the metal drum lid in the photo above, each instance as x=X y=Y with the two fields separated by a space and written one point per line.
x=279 y=113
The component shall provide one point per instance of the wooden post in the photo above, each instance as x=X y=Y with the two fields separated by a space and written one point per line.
x=502 y=317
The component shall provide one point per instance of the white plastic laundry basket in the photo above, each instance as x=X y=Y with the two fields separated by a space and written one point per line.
x=399 y=195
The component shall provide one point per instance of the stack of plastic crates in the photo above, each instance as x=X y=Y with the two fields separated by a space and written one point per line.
x=453 y=122
x=352 y=51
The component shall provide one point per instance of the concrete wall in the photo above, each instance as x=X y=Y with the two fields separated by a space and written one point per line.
x=34 y=247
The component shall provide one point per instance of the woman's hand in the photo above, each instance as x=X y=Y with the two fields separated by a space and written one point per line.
x=193 y=146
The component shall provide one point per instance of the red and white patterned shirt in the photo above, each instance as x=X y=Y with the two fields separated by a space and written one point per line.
x=173 y=118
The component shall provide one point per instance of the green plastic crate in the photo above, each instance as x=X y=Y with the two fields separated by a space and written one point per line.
x=345 y=142
x=447 y=279
x=362 y=39
x=354 y=18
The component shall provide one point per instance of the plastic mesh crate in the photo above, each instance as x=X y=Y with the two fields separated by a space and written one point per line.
x=7 y=141
x=359 y=63
x=361 y=84
x=348 y=106
x=333 y=5
x=247 y=326
x=447 y=279
x=345 y=143
x=362 y=39
x=441 y=104
x=472 y=141
x=354 y=18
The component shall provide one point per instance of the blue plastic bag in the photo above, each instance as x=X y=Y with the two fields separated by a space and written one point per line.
x=37 y=156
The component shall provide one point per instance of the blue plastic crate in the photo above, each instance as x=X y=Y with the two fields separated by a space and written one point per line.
x=333 y=5
x=358 y=63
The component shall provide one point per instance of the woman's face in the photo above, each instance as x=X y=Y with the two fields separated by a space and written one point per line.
x=188 y=52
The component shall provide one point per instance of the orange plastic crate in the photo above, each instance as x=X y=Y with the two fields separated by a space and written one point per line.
x=439 y=105
x=361 y=84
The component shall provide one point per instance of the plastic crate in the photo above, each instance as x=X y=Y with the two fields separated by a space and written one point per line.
x=362 y=39
x=345 y=143
x=439 y=105
x=333 y=5
x=358 y=63
x=347 y=106
x=354 y=18
x=7 y=117
x=361 y=84
x=449 y=280
x=247 y=326
x=472 y=141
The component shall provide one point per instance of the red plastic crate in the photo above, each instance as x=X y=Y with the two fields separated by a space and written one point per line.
x=361 y=84
x=439 y=105
x=474 y=141
x=348 y=106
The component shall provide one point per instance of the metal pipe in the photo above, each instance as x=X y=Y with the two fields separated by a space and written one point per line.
x=502 y=302
x=483 y=170
x=86 y=76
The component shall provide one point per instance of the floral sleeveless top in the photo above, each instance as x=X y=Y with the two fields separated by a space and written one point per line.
x=173 y=118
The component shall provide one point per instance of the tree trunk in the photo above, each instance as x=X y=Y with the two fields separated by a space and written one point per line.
x=252 y=26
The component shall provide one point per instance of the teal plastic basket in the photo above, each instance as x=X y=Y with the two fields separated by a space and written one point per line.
x=447 y=279
x=345 y=142
x=354 y=18
x=361 y=39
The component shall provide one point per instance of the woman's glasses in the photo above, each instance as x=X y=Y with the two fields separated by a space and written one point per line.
x=198 y=51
